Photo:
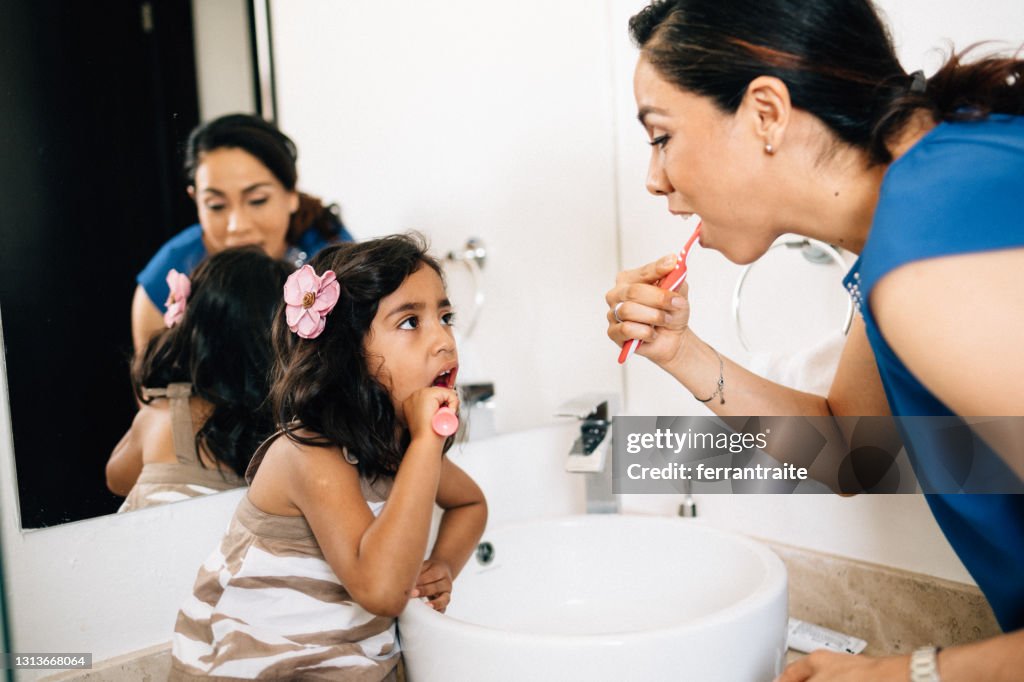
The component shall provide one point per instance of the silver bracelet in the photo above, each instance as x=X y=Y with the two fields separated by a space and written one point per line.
x=924 y=664
x=720 y=389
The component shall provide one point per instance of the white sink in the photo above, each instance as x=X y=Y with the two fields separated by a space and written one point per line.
x=523 y=474
x=615 y=598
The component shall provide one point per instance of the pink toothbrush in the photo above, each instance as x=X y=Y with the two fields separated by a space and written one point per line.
x=669 y=282
x=445 y=421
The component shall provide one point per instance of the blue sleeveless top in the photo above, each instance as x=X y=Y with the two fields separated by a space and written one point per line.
x=956 y=191
x=184 y=250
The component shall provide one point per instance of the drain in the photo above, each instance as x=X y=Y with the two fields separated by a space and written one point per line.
x=485 y=553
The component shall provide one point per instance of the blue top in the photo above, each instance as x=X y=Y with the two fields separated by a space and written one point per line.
x=184 y=250
x=956 y=191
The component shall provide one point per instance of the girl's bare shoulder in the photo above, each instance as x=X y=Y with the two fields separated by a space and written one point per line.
x=295 y=468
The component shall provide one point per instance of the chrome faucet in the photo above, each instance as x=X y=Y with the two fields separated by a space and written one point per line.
x=590 y=454
x=478 y=406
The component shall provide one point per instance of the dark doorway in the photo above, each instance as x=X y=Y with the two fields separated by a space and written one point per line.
x=97 y=99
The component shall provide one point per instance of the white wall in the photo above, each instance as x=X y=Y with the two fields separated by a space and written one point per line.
x=223 y=52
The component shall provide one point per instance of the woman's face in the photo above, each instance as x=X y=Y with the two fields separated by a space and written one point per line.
x=706 y=162
x=240 y=202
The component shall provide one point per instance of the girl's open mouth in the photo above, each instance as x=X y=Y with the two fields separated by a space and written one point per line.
x=446 y=379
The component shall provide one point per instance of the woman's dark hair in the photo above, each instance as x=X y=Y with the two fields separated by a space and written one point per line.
x=325 y=384
x=835 y=56
x=222 y=347
x=277 y=152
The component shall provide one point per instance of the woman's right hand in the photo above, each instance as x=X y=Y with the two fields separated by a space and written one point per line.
x=420 y=408
x=657 y=317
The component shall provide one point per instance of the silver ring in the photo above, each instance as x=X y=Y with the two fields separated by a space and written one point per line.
x=615 y=312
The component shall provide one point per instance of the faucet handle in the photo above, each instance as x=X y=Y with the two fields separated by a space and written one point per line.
x=474 y=394
x=590 y=406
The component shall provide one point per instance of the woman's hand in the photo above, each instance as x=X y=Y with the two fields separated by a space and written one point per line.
x=828 y=666
x=422 y=405
x=657 y=317
x=435 y=583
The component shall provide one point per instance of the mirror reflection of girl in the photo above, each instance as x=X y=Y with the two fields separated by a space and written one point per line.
x=202 y=383
x=242 y=175
x=327 y=547
x=775 y=116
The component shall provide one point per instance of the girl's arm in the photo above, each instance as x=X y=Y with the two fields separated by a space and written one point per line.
x=462 y=524
x=377 y=559
x=464 y=518
x=125 y=462
x=957 y=323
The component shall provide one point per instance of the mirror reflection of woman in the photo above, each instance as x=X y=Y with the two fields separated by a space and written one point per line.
x=202 y=383
x=775 y=116
x=242 y=175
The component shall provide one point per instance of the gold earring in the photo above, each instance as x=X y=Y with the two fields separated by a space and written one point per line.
x=768 y=148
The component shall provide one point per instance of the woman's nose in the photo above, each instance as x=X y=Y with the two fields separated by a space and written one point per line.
x=657 y=181
x=237 y=222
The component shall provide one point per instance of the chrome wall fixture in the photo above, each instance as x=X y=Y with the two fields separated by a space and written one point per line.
x=472 y=256
x=813 y=251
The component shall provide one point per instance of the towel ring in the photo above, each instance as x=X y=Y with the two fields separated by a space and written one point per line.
x=815 y=252
x=472 y=257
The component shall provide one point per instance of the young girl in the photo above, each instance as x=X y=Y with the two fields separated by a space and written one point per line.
x=327 y=546
x=202 y=383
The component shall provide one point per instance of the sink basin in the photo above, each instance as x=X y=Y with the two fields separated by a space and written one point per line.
x=612 y=598
x=522 y=473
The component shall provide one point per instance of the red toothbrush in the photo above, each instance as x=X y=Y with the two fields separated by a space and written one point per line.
x=669 y=282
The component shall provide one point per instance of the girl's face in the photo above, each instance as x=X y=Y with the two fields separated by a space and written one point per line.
x=706 y=162
x=411 y=339
x=241 y=202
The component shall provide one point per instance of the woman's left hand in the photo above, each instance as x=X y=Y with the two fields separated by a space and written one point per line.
x=434 y=583
x=828 y=666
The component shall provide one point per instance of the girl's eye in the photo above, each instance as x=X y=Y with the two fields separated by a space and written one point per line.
x=659 y=141
x=215 y=207
x=258 y=202
x=448 y=319
x=409 y=323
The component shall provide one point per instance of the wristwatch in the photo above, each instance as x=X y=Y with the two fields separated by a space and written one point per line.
x=924 y=664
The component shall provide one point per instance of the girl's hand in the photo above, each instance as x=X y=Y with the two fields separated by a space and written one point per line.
x=828 y=666
x=657 y=317
x=422 y=405
x=434 y=583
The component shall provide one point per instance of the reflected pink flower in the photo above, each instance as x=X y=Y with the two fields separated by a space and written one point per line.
x=308 y=298
x=181 y=289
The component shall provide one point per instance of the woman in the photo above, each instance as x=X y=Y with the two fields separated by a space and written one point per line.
x=242 y=176
x=775 y=116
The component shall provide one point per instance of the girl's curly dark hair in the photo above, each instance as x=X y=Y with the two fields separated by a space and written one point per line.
x=325 y=384
x=222 y=347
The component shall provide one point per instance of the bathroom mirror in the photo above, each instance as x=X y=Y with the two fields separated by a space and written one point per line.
x=97 y=104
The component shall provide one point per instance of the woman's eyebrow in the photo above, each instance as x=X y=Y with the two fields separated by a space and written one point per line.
x=255 y=186
x=644 y=111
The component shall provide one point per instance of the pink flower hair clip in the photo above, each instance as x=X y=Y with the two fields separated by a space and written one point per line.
x=308 y=299
x=180 y=289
